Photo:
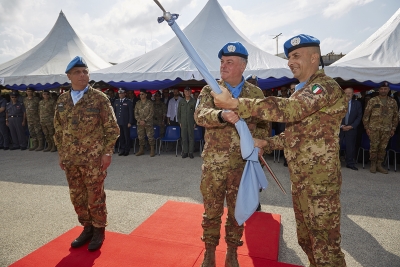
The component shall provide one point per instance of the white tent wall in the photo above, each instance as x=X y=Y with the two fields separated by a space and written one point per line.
x=46 y=62
x=208 y=33
x=377 y=59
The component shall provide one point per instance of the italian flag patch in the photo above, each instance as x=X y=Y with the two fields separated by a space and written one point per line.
x=317 y=89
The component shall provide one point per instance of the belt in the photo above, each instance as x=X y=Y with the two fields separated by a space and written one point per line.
x=15 y=116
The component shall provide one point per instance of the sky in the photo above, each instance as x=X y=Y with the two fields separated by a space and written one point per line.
x=120 y=30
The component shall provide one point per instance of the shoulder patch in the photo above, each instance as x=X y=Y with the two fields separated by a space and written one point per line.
x=316 y=89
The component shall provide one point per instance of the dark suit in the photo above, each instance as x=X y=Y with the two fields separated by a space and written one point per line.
x=124 y=113
x=350 y=136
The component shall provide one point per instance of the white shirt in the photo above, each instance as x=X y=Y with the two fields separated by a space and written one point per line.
x=173 y=108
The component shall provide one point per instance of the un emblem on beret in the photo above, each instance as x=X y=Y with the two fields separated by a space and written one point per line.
x=295 y=41
x=231 y=48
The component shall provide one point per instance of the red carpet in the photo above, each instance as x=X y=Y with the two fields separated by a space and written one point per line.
x=170 y=237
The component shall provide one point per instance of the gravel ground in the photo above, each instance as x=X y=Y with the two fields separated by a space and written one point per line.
x=35 y=204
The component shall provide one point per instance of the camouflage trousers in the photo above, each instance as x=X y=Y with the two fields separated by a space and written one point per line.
x=318 y=226
x=162 y=128
x=86 y=189
x=35 y=130
x=48 y=130
x=217 y=183
x=143 y=131
x=379 y=140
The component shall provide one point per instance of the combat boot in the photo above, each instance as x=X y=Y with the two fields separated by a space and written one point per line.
x=53 y=147
x=373 y=167
x=97 y=239
x=379 y=168
x=41 y=146
x=84 y=237
x=49 y=146
x=209 y=256
x=34 y=145
x=141 y=151
x=152 y=152
x=231 y=257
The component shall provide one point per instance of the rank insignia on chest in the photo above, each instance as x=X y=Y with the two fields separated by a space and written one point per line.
x=316 y=89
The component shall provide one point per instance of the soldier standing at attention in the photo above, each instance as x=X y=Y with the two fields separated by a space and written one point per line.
x=4 y=136
x=85 y=134
x=186 y=121
x=144 y=111
x=223 y=164
x=46 y=113
x=160 y=112
x=312 y=114
x=32 y=114
x=380 y=121
x=16 y=121
x=123 y=108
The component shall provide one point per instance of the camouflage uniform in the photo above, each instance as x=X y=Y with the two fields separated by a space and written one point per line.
x=223 y=165
x=160 y=111
x=311 y=143
x=32 y=116
x=46 y=114
x=144 y=112
x=84 y=132
x=380 y=119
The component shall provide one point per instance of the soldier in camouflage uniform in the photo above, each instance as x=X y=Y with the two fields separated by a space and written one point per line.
x=85 y=134
x=46 y=113
x=380 y=121
x=223 y=164
x=32 y=114
x=144 y=111
x=160 y=113
x=313 y=115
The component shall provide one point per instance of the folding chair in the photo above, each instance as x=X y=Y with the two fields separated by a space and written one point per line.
x=199 y=136
x=172 y=134
x=133 y=135
x=365 y=146
x=394 y=146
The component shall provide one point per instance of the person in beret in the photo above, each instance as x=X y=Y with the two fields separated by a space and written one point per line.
x=16 y=122
x=123 y=108
x=223 y=164
x=85 y=134
x=380 y=121
x=313 y=114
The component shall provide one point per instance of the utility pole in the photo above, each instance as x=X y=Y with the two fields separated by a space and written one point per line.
x=277 y=37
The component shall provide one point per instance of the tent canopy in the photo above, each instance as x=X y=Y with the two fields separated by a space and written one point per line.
x=44 y=65
x=208 y=33
x=377 y=59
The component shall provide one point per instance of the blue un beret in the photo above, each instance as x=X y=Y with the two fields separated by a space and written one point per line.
x=233 y=49
x=302 y=40
x=76 y=62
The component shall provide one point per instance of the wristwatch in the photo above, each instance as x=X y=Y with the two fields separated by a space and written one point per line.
x=108 y=155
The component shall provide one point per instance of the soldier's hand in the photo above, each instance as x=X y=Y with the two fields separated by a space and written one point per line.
x=224 y=100
x=129 y=125
x=61 y=164
x=230 y=116
x=367 y=132
x=23 y=123
x=391 y=133
x=260 y=152
x=105 y=162
x=259 y=143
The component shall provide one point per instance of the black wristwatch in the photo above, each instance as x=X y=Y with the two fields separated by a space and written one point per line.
x=220 y=119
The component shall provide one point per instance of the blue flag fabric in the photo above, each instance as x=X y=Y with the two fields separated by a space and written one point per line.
x=253 y=177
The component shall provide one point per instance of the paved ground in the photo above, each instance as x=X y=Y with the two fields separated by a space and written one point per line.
x=35 y=205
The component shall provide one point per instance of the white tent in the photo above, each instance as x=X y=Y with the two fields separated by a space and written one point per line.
x=377 y=59
x=46 y=62
x=208 y=33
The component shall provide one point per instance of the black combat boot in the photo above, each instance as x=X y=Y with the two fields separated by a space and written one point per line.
x=97 y=239
x=84 y=237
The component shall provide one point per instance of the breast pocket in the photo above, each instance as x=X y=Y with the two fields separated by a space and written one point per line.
x=90 y=119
